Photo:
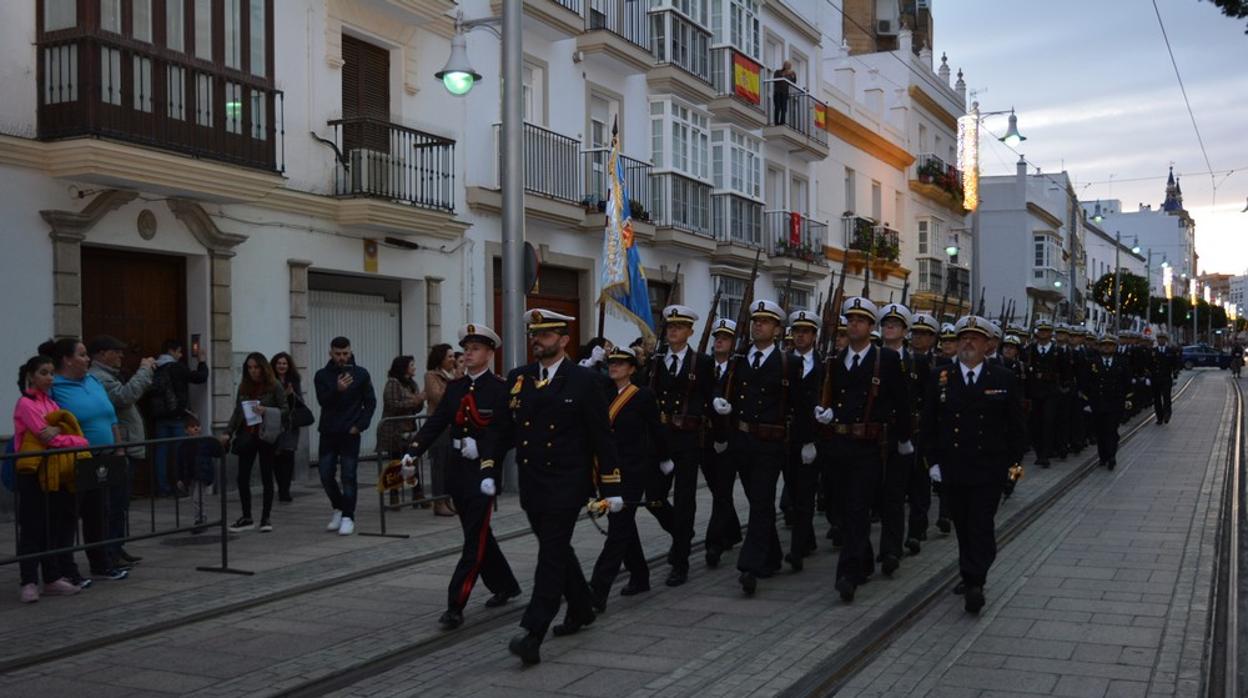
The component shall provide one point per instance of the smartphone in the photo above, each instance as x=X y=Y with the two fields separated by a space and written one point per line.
x=195 y=345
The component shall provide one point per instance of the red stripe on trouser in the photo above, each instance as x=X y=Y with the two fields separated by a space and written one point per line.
x=471 y=580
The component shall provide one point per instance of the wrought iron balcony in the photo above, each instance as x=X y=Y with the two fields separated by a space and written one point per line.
x=99 y=84
x=681 y=203
x=875 y=241
x=738 y=80
x=931 y=276
x=959 y=282
x=929 y=168
x=738 y=221
x=552 y=163
x=793 y=107
x=598 y=183
x=390 y=161
x=627 y=19
x=794 y=236
x=680 y=42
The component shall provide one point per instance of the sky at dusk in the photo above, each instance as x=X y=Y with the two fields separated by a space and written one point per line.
x=1097 y=96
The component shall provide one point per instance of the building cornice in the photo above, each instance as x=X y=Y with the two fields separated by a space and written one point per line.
x=852 y=132
x=933 y=107
x=795 y=21
x=1043 y=215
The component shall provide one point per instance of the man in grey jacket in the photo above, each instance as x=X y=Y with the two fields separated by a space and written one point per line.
x=106 y=356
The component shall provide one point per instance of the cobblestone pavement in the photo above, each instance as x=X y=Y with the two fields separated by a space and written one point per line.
x=1107 y=594
x=702 y=638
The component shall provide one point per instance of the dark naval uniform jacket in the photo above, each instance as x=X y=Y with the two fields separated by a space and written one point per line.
x=467 y=408
x=891 y=414
x=559 y=431
x=1108 y=389
x=768 y=402
x=1046 y=372
x=684 y=399
x=639 y=437
x=974 y=433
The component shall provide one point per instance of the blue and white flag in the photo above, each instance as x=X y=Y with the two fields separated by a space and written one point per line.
x=624 y=290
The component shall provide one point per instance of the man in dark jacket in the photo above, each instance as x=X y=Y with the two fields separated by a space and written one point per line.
x=345 y=393
x=169 y=399
x=973 y=431
x=1107 y=384
x=1163 y=363
x=556 y=419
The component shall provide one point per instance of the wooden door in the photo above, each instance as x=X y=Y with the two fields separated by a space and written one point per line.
x=137 y=297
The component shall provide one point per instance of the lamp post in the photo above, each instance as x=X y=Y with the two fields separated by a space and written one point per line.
x=458 y=77
x=1011 y=138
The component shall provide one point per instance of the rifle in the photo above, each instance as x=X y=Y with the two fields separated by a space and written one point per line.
x=982 y=292
x=1001 y=315
x=827 y=339
x=866 y=271
x=905 y=290
x=788 y=294
x=944 y=304
x=660 y=347
x=743 y=329
x=710 y=320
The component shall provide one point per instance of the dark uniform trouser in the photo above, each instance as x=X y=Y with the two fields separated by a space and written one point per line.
x=1043 y=424
x=623 y=545
x=684 y=505
x=896 y=483
x=1161 y=398
x=1078 y=427
x=480 y=556
x=1061 y=423
x=723 y=530
x=760 y=463
x=832 y=505
x=973 y=509
x=919 y=494
x=800 y=480
x=1106 y=433
x=858 y=472
x=558 y=574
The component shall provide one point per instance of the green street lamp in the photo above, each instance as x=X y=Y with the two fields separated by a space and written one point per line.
x=1012 y=137
x=458 y=77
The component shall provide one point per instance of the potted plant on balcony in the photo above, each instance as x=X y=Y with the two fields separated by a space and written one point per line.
x=637 y=210
x=930 y=172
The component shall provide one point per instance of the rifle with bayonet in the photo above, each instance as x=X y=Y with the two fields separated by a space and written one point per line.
x=787 y=297
x=829 y=328
x=905 y=290
x=982 y=292
x=743 y=330
x=660 y=348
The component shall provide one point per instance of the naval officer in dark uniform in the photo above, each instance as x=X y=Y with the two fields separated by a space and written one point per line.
x=719 y=468
x=466 y=409
x=973 y=431
x=1107 y=384
x=1163 y=363
x=556 y=419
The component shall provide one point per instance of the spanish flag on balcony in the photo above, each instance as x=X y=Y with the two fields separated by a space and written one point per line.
x=624 y=291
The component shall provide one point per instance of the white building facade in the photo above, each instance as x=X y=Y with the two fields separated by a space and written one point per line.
x=1104 y=254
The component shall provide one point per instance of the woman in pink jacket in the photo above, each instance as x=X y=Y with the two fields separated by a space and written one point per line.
x=46 y=519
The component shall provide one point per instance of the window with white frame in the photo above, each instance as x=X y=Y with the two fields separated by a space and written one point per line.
x=743 y=26
x=737 y=162
x=693 y=9
x=924 y=238
x=680 y=139
x=851 y=190
x=931 y=276
x=798 y=298
x=732 y=292
x=929 y=237
x=174 y=25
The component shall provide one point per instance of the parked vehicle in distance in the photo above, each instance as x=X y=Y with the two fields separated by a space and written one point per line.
x=1203 y=355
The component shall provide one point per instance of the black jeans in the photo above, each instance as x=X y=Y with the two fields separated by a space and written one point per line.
x=45 y=522
x=248 y=448
x=341 y=449
x=284 y=471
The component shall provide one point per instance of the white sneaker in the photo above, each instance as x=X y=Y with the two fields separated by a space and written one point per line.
x=347 y=527
x=335 y=522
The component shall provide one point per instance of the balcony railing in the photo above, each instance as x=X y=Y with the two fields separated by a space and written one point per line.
x=574 y=5
x=876 y=241
x=99 y=85
x=931 y=276
x=390 y=161
x=737 y=75
x=791 y=106
x=551 y=163
x=626 y=19
x=929 y=168
x=680 y=42
x=598 y=182
x=790 y=234
x=959 y=282
x=738 y=221
x=680 y=202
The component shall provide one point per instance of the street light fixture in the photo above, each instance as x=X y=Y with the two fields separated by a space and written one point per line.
x=458 y=77
x=1012 y=137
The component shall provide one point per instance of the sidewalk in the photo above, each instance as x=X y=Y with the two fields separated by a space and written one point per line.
x=1107 y=594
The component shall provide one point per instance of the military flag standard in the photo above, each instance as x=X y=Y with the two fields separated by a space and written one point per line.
x=624 y=290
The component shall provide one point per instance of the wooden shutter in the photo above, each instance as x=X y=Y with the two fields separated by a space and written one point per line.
x=365 y=93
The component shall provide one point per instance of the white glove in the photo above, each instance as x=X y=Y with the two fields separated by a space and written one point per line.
x=808 y=454
x=487 y=487
x=615 y=504
x=408 y=469
x=468 y=449
x=667 y=466
x=934 y=473
x=719 y=446
x=1148 y=382
x=598 y=355
x=1087 y=408
x=585 y=363
x=823 y=415
x=722 y=406
x=905 y=448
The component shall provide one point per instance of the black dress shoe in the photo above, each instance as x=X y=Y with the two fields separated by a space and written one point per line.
x=527 y=647
x=920 y=535
x=598 y=600
x=959 y=589
x=712 y=557
x=453 y=618
x=1113 y=462
x=795 y=561
x=889 y=565
x=572 y=626
x=501 y=599
x=974 y=599
x=634 y=588
x=913 y=547
x=846 y=587
x=944 y=526
x=127 y=557
x=677 y=576
x=749 y=583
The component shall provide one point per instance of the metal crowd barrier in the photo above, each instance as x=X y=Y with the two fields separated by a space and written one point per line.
x=107 y=468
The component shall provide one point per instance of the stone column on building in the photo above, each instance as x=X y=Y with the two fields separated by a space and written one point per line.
x=433 y=310
x=299 y=324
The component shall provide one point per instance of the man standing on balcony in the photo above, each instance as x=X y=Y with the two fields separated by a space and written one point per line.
x=780 y=91
x=683 y=382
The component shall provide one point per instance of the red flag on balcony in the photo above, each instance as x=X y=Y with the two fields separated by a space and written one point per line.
x=795 y=229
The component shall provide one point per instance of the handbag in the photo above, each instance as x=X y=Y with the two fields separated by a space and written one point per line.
x=102 y=471
x=271 y=425
x=301 y=415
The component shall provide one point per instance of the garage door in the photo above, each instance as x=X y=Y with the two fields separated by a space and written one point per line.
x=372 y=324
